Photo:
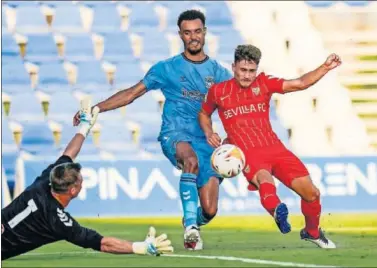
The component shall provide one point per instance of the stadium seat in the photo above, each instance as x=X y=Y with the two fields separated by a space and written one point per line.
x=58 y=3
x=63 y=106
x=143 y=17
x=145 y=108
x=106 y=18
x=30 y=19
x=127 y=74
x=349 y=136
x=228 y=42
x=116 y=137
x=52 y=77
x=14 y=75
x=174 y=8
x=9 y=47
x=155 y=46
x=218 y=16
x=117 y=47
x=91 y=77
x=8 y=142
x=78 y=47
x=41 y=48
x=68 y=132
x=9 y=165
x=37 y=138
x=320 y=3
x=67 y=19
x=21 y=112
x=148 y=137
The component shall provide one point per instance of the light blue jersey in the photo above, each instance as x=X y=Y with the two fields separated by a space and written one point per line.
x=184 y=84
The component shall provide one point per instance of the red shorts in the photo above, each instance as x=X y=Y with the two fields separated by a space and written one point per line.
x=278 y=161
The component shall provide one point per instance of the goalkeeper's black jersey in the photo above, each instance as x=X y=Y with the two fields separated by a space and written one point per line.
x=35 y=218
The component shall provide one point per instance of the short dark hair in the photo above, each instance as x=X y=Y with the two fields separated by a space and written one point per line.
x=191 y=14
x=63 y=176
x=248 y=53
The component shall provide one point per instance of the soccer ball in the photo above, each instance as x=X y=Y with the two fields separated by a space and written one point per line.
x=228 y=160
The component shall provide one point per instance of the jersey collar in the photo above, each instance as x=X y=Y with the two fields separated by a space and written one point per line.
x=195 y=62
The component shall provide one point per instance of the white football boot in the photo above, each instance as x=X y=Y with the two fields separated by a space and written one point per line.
x=321 y=241
x=192 y=239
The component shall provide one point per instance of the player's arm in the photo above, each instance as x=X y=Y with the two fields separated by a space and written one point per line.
x=208 y=107
x=312 y=77
x=70 y=230
x=119 y=99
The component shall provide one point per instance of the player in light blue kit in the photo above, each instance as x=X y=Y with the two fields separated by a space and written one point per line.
x=184 y=80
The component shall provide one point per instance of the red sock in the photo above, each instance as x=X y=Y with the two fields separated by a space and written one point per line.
x=268 y=197
x=312 y=213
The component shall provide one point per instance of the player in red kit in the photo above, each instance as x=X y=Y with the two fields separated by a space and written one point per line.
x=243 y=107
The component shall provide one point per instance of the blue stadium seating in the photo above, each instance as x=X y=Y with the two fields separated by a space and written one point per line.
x=155 y=45
x=63 y=106
x=52 y=77
x=106 y=18
x=14 y=75
x=91 y=77
x=218 y=16
x=41 y=48
x=143 y=17
x=58 y=3
x=320 y=3
x=30 y=19
x=174 y=9
x=68 y=132
x=21 y=112
x=37 y=138
x=149 y=135
x=144 y=109
x=8 y=162
x=78 y=47
x=117 y=47
x=4 y=22
x=67 y=19
x=98 y=3
x=116 y=138
x=127 y=74
x=9 y=47
x=8 y=142
x=22 y=3
x=228 y=41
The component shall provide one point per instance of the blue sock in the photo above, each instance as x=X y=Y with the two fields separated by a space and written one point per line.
x=202 y=220
x=189 y=198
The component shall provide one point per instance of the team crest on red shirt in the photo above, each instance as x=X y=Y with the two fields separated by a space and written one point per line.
x=209 y=80
x=255 y=90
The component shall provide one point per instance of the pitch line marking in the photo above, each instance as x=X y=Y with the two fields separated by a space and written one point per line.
x=224 y=258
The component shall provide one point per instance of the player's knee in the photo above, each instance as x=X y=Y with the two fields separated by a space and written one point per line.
x=312 y=194
x=263 y=176
x=210 y=212
x=190 y=165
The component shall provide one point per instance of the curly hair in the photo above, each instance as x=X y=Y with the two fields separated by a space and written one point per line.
x=191 y=14
x=248 y=53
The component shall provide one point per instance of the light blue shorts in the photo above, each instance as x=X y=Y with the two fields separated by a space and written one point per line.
x=201 y=148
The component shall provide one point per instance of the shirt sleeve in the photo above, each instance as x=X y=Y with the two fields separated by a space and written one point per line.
x=274 y=84
x=67 y=228
x=154 y=79
x=209 y=104
x=45 y=175
x=222 y=74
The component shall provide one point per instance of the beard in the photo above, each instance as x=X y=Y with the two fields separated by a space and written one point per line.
x=194 y=51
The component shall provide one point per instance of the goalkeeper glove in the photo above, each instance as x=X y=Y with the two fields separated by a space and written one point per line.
x=87 y=116
x=154 y=246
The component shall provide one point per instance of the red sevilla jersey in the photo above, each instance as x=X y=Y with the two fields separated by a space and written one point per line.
x=244 y=112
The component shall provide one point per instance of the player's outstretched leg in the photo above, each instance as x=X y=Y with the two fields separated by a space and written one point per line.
x=311 y=208
x=189 y=195
x=209 y=197
x=270 y=201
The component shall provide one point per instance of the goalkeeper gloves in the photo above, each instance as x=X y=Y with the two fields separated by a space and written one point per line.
x=87 y=116
x=154 y=246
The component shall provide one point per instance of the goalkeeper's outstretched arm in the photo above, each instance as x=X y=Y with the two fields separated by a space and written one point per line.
x=86 y=119
x=119 y=99
x=151 y=246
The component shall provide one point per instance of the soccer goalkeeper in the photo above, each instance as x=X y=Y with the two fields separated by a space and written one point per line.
x=37 y=216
